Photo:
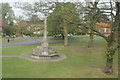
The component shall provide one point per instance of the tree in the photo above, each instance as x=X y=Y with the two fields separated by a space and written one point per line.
x=7 y=17
x=90 y=15
x=112 y=39
x=94 y=15
x=7 y=13
x=36 y=8
x=59 y=26
x=9 y=30
x=22 y=27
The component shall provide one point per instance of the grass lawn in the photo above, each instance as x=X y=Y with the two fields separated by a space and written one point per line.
x=17 y=50
x=81 y=62
x=4 y=41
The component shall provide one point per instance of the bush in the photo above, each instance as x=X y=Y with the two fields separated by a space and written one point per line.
x=9 y=30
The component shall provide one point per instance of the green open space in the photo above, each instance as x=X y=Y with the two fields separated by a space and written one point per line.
x=81 y=62
x=17 y=50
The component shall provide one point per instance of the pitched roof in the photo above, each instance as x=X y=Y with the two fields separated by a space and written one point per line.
x=103 y=24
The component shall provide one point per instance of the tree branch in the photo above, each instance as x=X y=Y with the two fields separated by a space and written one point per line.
x=98 y=33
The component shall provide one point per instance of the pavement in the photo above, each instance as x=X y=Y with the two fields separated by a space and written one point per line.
x=29 y=41
x=34 y=41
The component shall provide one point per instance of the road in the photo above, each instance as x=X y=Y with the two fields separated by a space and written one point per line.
x=34 y=41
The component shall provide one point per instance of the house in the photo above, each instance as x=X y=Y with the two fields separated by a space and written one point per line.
x=104 y=27
x=35 y=27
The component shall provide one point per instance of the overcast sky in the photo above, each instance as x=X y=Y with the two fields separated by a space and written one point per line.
x=53 y=0
x=18 y=12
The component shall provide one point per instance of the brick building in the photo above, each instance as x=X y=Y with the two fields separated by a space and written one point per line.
x=104 y=27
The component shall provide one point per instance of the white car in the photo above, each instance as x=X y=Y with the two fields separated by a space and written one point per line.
x=70 y=35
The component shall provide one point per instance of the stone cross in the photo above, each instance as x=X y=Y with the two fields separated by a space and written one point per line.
x=45 y=28
x=45 y=42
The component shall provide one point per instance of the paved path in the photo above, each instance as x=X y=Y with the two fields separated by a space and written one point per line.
x=28 y=57
x=29 y=41
x=33 y=41
x=11 y=56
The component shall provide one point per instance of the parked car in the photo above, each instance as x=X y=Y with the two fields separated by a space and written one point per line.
x=70 y=35
x=59 y=35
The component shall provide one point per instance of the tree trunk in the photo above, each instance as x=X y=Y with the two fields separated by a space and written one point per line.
x=113 y=41
x=111 y=49
x=62 y=36
x=92 y=25
x=109 y=64
x=65 y=34
x=90 y=42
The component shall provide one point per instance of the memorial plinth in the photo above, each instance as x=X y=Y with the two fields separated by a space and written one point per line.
x=44 y=51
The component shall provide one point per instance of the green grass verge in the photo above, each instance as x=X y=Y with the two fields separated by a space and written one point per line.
x=72 y=38
x=81 y=62
x=4 y=41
